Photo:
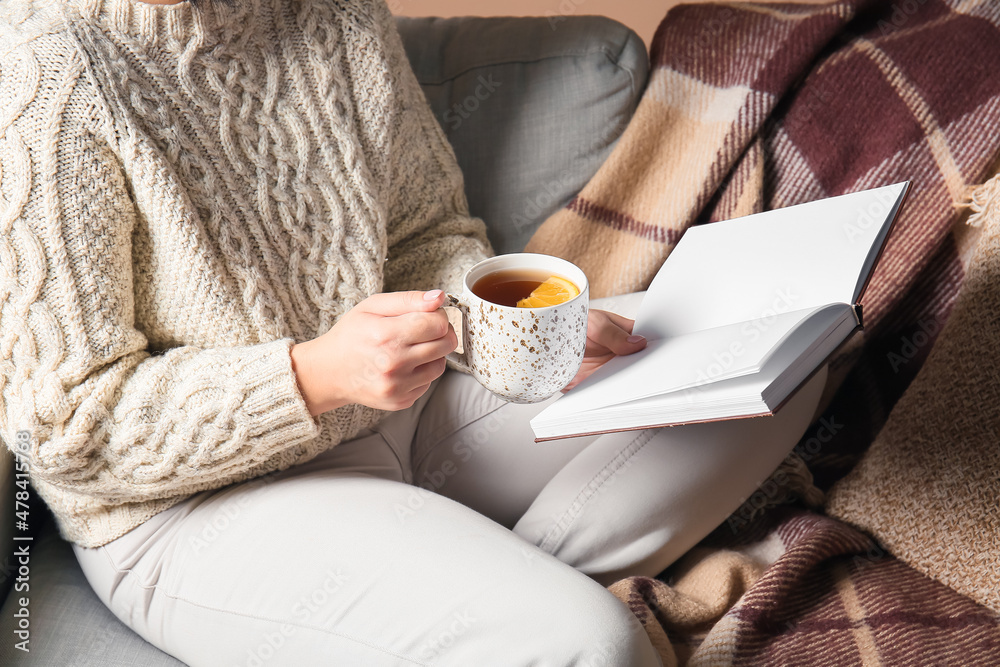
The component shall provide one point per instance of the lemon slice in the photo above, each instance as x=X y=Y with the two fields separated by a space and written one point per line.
x=552 y=292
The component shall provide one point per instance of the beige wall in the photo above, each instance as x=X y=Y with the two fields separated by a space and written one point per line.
x=641 y=15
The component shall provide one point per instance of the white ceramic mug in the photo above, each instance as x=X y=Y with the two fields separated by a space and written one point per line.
x=523 y=355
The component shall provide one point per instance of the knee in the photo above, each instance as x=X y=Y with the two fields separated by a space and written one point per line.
x=597 y=545
x=561 y=617
x=600 y=633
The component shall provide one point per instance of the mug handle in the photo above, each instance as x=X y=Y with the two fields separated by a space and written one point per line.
x=460 y=359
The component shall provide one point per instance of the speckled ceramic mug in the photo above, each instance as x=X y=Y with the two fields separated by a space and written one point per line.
x=523 y=355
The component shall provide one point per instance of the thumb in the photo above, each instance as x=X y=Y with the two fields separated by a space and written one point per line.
x=391 y=304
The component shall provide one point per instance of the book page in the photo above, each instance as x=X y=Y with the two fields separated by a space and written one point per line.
x=681 y=362
x=770 y=263
x=792 y=359
x=815 y=338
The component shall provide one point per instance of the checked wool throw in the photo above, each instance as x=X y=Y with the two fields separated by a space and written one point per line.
x=751 y=107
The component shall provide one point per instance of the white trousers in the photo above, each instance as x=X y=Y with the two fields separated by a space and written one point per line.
x=444 y=535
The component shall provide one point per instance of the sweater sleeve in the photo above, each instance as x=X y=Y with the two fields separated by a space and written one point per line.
x=107 y=418
x=432 y=238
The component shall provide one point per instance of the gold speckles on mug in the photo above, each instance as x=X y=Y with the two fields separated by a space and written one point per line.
x=530 y=356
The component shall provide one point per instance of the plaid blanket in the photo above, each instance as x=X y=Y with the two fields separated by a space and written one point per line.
x=798 y=588
x=757 y=106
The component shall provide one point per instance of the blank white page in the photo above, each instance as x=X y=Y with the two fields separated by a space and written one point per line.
x=752 y=268
x=681 y=362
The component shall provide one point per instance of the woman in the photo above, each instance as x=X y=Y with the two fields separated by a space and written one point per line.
x=225 y=231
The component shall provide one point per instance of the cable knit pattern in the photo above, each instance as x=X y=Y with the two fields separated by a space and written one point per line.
x=185 y=192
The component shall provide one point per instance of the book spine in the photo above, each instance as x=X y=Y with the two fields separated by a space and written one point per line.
x=858 y=315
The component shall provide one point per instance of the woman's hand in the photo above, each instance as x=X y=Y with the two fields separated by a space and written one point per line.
x=383 y=353
x=608 y=335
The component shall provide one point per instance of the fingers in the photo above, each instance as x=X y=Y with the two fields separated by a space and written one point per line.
x=398 y=388
x=421 y=353
x=619 y=320
x=410 y=317
x=410 y=398
x=391 y=304
x=396 y=334
x=420 y=380
x=414 y=328
x=427 y=373
x=611 y=333
x=414 y=365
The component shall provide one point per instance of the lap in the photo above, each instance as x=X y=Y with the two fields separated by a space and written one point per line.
x=633 y=502
x=615 y=505
x=320 y=563
x=479 y=450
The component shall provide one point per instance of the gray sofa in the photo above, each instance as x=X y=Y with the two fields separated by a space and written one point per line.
x=532 y=109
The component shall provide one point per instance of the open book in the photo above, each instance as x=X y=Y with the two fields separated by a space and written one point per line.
x=740 y=315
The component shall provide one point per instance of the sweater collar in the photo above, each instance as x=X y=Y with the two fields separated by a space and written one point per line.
x=208 y=22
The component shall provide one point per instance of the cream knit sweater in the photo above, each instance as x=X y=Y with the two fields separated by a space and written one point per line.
x=185 y=191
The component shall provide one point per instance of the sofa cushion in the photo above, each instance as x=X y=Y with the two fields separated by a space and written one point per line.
x=69 y=624
x=532 y=108
x=7 y=509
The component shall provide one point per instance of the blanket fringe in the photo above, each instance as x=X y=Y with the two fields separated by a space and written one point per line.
x=984 y=202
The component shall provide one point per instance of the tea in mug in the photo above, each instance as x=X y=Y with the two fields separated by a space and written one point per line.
x=525 y=288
